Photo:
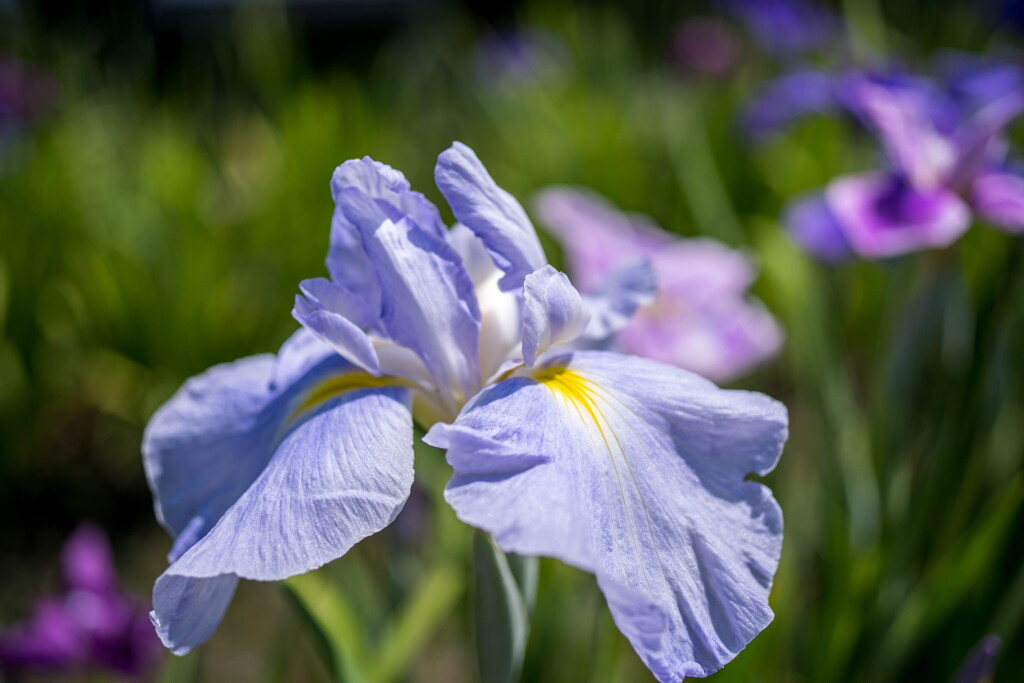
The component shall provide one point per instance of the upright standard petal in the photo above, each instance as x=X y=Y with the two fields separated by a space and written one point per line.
x=341 y=471
x=553 y=312
x=389 y=194
x=491 y=213
x=882 y=216
x=901 y=117
x=637 y=472
x=428 y=303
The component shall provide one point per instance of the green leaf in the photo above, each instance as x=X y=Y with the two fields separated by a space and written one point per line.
x=433 y=600
x=334 y=621
x=505 y=589
x=180 y=669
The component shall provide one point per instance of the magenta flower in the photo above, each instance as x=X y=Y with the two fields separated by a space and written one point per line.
x=946 y=163
x=92 y=624
x=702 y=319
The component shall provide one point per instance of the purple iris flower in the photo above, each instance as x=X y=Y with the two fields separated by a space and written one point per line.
x=946 y=163
x=635 y=471
x=92 y=624
x=786 y=27
x=701 y=319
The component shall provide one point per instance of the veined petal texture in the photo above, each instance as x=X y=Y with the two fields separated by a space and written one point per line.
x=332 y=313
x=389 y=196
x=428 y=302
x=553 y=312
x=263 y=481
x=637 y=472
x=494 y=215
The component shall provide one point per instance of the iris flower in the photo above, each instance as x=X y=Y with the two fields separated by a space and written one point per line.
x=946 y=154
x=92 y=624
x=786 y=27
x=632 y=470
x=701 y=319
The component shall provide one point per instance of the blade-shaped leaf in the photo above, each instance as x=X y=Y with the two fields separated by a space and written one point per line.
x=334 y=621
x=505 y=588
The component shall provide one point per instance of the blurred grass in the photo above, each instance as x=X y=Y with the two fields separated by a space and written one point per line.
x=150 y=232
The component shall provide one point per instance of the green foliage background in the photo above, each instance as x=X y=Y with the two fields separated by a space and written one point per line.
x=156 y=221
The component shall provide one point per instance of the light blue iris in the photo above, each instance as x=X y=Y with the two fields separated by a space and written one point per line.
x=635 y=471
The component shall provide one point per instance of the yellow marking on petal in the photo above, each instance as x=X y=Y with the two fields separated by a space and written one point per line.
x=584 y=396
x=328 y=388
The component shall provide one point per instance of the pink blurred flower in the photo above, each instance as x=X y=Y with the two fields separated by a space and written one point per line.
x=702 y=320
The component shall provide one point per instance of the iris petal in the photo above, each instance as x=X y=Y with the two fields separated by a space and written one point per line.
x=428 y=301
x=902 y=118
x=999 y=197
x=613 y=306
x=340 y=472
x=637 y=472
x=494 y=215
x=883 y=216
x=389 y=196
x=814 y=226
x=553 y=312
x=214 y=424
x=327 y=310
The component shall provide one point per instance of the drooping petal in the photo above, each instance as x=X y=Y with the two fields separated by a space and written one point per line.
x=223 y=423
x=216 y=424
x=883 y=216
x=389 y=194
x=300 y=353
x=999 y=197
x=340 y=472
x=186 y=611
x=428 y=302
x=494 y=215
x=814 y=226
x=637 y=472
x=980 y=664
x=553 y=312
x=333 y=314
